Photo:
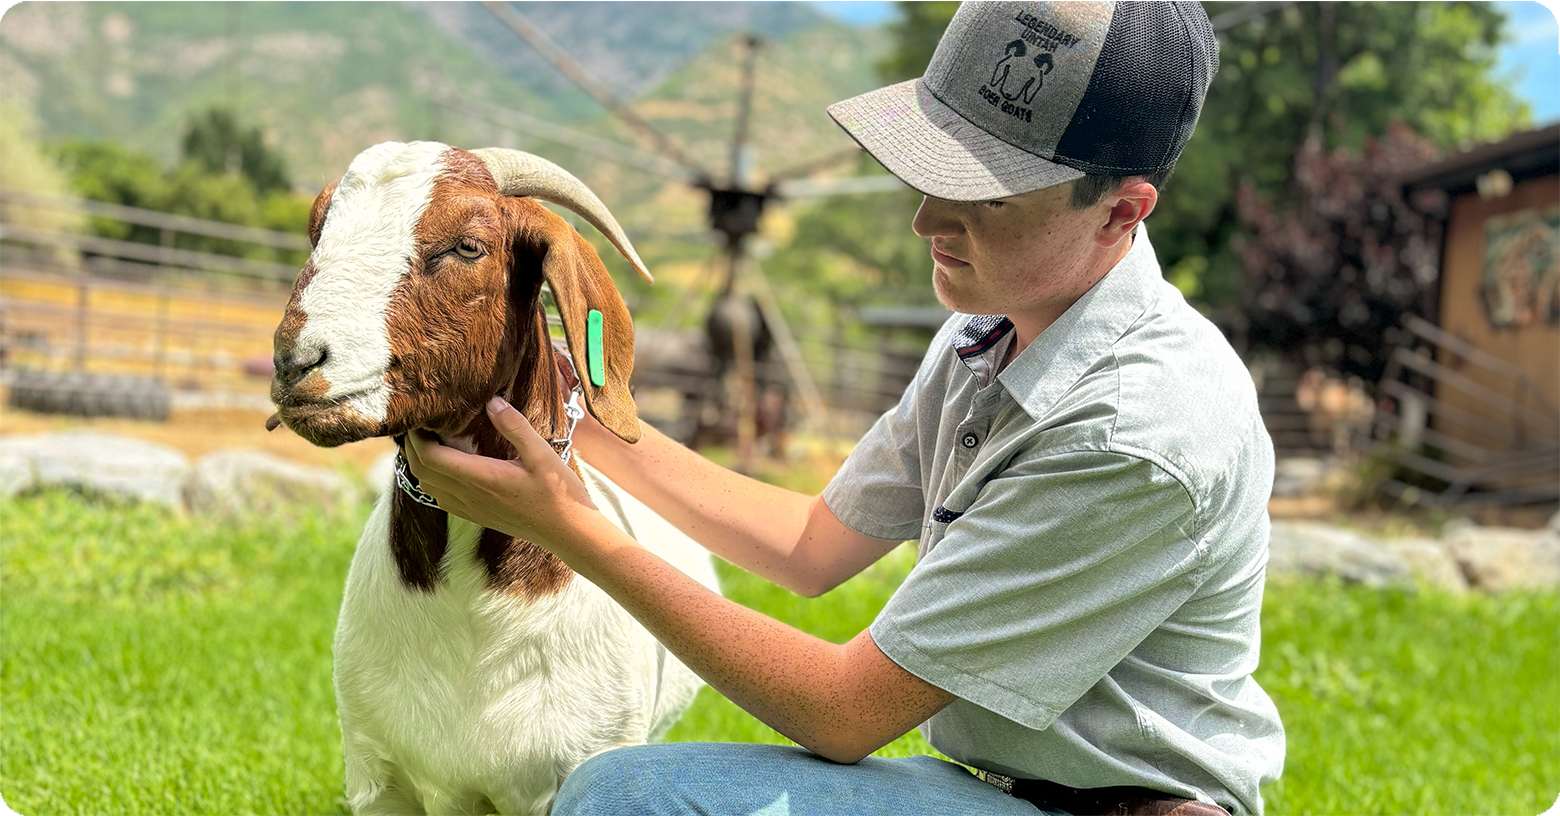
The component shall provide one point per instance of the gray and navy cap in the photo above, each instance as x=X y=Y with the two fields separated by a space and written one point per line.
x=1023 y=96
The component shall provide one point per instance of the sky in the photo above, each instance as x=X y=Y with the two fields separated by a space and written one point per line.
x=1530 y=59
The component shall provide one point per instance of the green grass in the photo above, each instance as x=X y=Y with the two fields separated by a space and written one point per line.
x=153 y=664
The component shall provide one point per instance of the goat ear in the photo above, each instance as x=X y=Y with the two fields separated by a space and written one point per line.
x=580 y=285
x=317 y=213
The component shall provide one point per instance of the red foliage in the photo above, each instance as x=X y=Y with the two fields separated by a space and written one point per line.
x=1329 y=277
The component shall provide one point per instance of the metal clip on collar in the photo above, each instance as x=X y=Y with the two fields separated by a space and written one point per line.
x=565 y=446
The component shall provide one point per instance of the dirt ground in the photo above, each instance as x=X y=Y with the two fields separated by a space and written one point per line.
x=197 y=433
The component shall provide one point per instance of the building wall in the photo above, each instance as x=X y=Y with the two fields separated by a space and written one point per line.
x=1535 y=349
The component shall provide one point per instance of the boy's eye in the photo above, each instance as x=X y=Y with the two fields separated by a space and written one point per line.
x=994 y=204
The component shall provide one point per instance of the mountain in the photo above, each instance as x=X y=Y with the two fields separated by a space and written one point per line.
x=629 y=47
x=324 y=80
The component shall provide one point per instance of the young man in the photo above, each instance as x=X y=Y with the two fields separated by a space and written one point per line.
x=1080 y=456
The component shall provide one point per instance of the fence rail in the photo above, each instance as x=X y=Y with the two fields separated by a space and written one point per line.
x=158 y=220
x=201 y=321
x=1501 y=447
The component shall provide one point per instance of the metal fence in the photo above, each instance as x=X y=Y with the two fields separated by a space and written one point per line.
x=1463 y=426
x=126 y=316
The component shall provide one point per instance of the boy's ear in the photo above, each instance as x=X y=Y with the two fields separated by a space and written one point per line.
x=596 y=323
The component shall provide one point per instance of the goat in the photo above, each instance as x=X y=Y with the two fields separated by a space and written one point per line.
x=473 y=671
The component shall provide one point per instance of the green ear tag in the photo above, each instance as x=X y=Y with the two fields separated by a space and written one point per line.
x=595 y=356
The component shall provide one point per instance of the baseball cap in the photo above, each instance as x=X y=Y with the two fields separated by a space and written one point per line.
x=1023 y=96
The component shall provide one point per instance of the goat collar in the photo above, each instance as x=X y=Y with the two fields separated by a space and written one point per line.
x=564 y=447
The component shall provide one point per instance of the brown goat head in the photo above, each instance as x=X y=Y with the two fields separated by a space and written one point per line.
x=421 y=297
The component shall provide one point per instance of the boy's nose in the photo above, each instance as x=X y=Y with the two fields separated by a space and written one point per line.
x=936 y=218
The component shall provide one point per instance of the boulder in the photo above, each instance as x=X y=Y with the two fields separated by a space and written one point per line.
x=1429 y=561
x=1501 y=558
x=236 y=483
x=1313 y=548
x=1298 y=475
x=16 y=470
x=97 y=463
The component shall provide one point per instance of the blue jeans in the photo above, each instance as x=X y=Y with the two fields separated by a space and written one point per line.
x=738 y=779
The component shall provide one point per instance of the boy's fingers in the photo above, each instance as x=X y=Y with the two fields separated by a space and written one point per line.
x=517 y=429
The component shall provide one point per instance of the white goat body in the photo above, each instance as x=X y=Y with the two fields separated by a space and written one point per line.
x=468 y=700
x=473 y=672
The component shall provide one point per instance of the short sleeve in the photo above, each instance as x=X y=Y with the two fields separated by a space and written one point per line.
x=878 y=491
x=1062 y=565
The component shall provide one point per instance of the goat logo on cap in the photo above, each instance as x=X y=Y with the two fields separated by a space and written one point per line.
x=1043 y=63
x=1026 y=60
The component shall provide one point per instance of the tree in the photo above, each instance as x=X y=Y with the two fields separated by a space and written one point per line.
x=915 y=33
x=24 y=165
x=1328 y=279
x=107 y=171
x=1337 y=72
x=216 y=143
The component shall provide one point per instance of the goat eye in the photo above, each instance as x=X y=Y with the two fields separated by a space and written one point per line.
x=469 y=249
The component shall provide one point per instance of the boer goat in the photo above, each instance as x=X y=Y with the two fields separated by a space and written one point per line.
x=473 y=671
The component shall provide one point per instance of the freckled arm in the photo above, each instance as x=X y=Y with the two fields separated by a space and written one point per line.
x=840 y=701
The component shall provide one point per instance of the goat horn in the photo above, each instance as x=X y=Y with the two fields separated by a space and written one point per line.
x=522 y=174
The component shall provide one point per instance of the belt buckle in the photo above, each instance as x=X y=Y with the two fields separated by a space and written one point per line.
x=996 y=780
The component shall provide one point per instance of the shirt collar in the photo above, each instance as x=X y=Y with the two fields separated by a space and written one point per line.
x=1050 y=365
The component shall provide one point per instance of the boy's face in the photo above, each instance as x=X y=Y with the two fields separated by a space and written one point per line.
x=1018 y=255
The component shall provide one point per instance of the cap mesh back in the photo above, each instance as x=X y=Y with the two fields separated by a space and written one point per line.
x=1146 y=92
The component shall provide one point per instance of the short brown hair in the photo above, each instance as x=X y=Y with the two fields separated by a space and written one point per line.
x=1088 y=191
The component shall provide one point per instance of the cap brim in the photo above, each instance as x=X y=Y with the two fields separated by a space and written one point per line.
x=930 y=147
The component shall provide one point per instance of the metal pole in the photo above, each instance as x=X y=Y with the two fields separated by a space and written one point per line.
x=82 y=295
x=160 y=360
x=742 y=333
x=741 y=151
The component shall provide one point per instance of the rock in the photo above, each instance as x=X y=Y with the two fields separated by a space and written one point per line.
x=1501 y=558
x=381 y=474
x=242 y=482
x=1313 y=548
x=1456 y=525
x=101 y=464
x=1429 y=561
x=16 y=470
x=1297 y=475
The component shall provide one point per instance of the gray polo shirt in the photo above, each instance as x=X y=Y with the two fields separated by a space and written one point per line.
x=1093 y=540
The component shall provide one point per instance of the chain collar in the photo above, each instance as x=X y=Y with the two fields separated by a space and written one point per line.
x=563 y=447
x=408 y=483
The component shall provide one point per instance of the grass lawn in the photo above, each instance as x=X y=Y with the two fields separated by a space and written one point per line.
x=152 y=664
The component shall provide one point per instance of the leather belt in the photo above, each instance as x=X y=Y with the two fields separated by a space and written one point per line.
x=1116 y=801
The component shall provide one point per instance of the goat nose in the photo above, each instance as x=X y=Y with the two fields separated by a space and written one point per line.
x=292 y=365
